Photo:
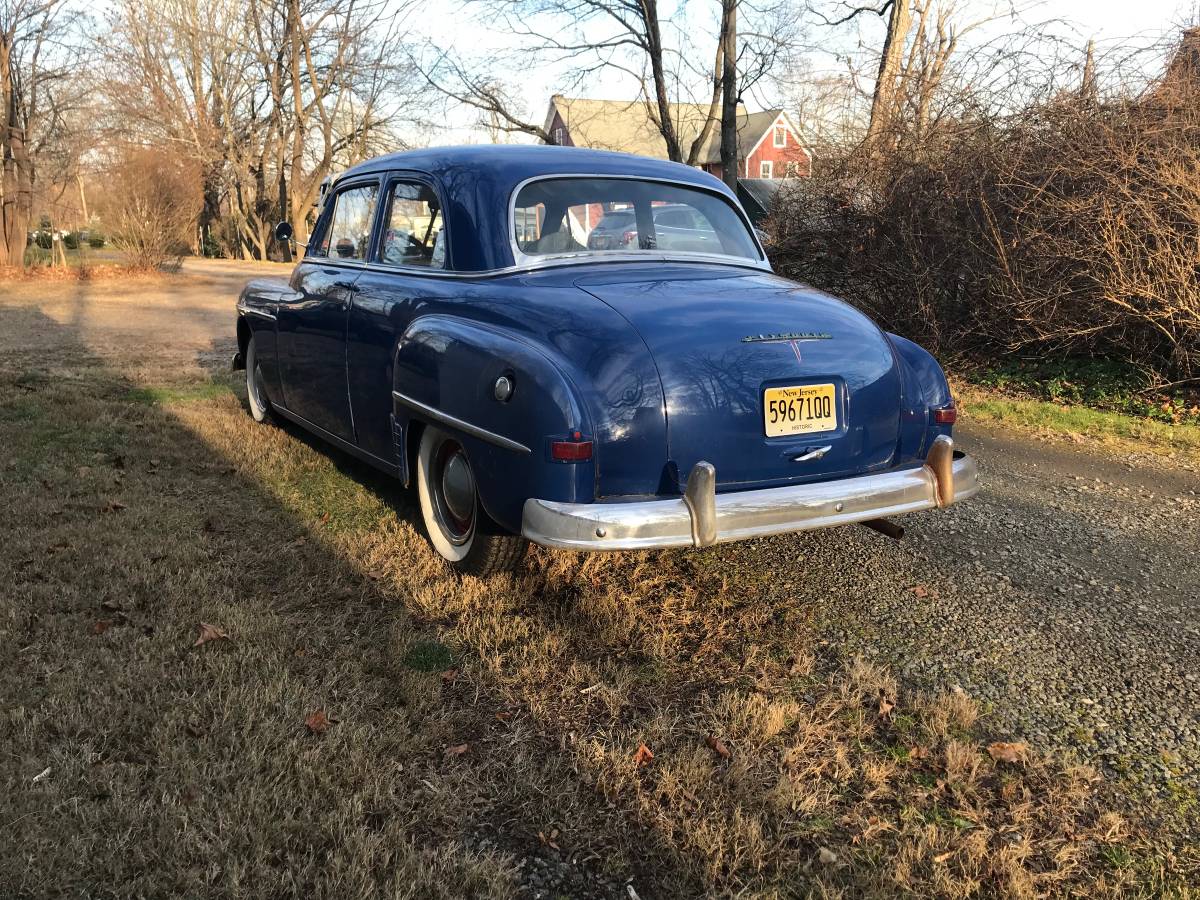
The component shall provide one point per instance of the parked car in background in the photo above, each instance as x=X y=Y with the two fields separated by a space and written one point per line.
x=677 y=226
x=463 y=320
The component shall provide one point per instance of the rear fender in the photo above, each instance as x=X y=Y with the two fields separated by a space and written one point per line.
x=925 y=389
x=445 y=375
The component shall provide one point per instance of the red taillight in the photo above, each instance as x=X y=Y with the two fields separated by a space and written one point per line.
x=629 y=237
x=947 y=415
x=576 y=450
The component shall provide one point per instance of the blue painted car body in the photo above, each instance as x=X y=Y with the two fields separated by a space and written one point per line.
x=642 y=353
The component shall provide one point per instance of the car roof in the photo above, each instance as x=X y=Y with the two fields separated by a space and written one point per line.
x=514 y=163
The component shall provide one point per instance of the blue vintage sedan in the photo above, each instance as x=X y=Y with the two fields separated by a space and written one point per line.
x=588 y=350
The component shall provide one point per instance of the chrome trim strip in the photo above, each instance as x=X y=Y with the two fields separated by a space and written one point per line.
x=251 y=311
x=553 y=262
x=740 y=515
x=474 y=430
x=523 y=259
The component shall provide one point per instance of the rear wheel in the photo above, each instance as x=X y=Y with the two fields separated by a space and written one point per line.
x=260 y=406
x=459 y=529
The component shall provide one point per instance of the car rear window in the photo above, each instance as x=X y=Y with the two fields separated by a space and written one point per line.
x=580 y=216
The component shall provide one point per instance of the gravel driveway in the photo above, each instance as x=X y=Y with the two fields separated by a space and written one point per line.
x=1065 y=596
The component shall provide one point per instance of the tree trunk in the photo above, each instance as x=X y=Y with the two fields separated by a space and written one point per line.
x=666 y=125
x=714 y=105
x=729 y=138
x=16 y=201
x=883 y=101
x=284 y=211
x=16 y=168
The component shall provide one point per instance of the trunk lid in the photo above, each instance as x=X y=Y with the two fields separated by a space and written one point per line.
x=721 y=337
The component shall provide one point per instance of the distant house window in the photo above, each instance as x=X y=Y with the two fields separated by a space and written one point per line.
x=766 y=169
x=560 y=136
x=793 y=169
x=780 y=136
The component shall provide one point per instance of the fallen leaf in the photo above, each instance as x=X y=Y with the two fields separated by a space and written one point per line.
x=643 y=756
x=918 y=752
x=920 y=590
x=717 y=746
x=317 y=722
x=827 y=856
x=457 y=749
x=210 y=633
x=885 y=706
x=449 y=675
x=324 y=520
x=549 y=840
x=113 y=606
x=40 y=775
x=503 y=716
x=1006 y=752
x=942 y=857
x=113 y=506
x=101 y=626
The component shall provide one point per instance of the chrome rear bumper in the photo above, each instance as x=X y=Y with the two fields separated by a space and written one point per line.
x=703 y=517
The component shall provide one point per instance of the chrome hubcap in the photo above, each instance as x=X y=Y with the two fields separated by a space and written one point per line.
x=459 y=487
x=455 y=493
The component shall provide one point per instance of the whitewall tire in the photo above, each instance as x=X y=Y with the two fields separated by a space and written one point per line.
x=459 y=529
x=260 y=406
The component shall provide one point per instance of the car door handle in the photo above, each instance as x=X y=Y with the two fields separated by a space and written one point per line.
x=814 y=453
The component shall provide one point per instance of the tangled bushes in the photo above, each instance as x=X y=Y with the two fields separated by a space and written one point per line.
x=151 y=205
x=1072 y=227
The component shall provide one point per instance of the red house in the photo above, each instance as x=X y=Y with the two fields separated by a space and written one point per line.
x=769 y=143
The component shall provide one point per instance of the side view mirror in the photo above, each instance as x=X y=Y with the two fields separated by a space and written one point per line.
x=283 y=232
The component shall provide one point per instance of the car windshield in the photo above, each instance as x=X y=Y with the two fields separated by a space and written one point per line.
x=578 y=215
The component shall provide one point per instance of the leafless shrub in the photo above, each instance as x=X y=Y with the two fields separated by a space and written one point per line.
x=1070 y=226
x=151 y=203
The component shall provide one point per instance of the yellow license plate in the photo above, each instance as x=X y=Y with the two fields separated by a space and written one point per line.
x=804 y=409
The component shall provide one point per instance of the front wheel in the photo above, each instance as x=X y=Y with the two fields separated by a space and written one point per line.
x=458 y=527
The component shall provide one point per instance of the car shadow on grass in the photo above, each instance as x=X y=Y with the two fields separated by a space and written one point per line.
x=138 y=763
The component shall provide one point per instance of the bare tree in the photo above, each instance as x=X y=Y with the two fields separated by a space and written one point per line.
x=37 y=46
x=267 y=98
x=630 y=37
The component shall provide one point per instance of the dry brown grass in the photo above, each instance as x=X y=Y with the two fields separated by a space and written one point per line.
x=188 y=770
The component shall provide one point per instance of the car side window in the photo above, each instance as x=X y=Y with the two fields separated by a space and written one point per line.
x=349 y=232
x=413 y=232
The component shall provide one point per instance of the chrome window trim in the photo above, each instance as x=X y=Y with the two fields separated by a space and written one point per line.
x=452 y=421
x=335 y=190
x=555 y=262
x=410 y=176
x=525 y=259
